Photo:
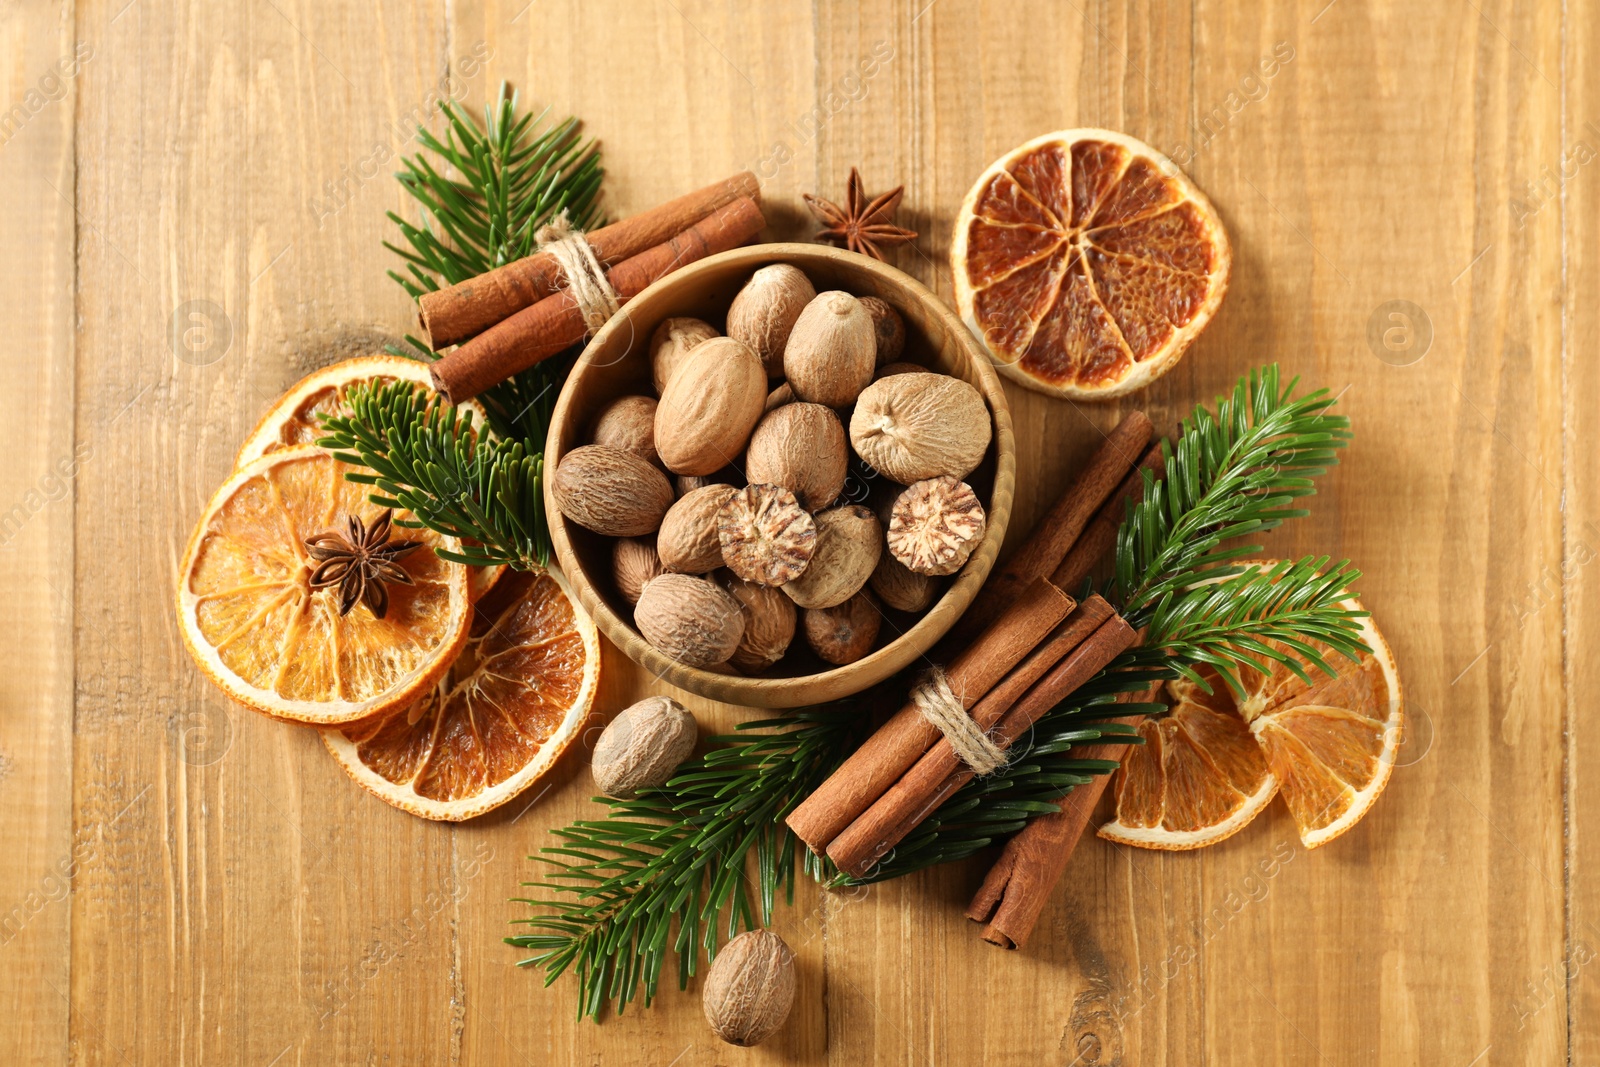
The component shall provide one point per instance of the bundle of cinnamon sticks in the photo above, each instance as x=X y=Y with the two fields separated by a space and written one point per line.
x=514 y=316
x=1029 y=647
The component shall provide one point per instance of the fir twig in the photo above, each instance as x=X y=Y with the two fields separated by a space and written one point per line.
x=667 y=873
x=427 y=458
x=1232 y=474
x=511 y=176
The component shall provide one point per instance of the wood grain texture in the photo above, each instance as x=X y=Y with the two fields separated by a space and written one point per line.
x=197 y=220
x=42 y=856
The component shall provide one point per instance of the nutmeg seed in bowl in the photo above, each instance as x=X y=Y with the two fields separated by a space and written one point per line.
x=671 y=342
x=849 y=542
x=687 y=541
x=766 y=309
x=801 y=447
x=617 y=363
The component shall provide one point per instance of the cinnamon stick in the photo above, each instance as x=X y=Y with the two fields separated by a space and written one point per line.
x=894 y=747
x=1101 y=535
x=470 y=307
x=1017 y=887
x=555 y=323
x=940 y=772
x=1043 y=552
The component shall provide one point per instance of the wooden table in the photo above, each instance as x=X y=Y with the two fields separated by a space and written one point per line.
x=183 y=882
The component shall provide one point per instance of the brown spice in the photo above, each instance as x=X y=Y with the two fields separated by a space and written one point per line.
x=456 y=313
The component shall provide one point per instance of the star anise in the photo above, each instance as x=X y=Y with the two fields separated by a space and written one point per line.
x=360 y=563
x=862 y=224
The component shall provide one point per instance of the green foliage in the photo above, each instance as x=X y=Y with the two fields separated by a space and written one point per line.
x=511 y=176
x=1232 y=474
x=426 y=457
x=665 y=873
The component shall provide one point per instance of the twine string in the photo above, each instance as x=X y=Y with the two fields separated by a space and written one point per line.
x=939 y=704
x=585 y=277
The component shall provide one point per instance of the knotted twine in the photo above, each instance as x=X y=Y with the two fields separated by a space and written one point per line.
x=585 y=277
x=939 y=704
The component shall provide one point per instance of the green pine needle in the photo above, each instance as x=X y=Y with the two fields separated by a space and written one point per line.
x=427 y=458
x=679 y=858
x=666 y=873
x=1232 y=474
x=510 y=177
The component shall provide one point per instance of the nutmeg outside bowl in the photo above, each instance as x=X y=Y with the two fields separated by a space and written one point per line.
x=617 y=363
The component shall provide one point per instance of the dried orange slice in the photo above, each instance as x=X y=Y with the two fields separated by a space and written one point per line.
x=1199 y=776
x=495 y=723
x=1211 y=764
x=292 y=420
x=1087 y=262
x=260 y=632
x=1332 y=745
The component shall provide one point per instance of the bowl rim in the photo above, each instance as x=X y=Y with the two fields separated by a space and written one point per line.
x=838 y=682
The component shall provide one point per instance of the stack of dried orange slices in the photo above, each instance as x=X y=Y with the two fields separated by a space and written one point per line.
x=1214 y=761
x=298 y=597
x=1086 y=262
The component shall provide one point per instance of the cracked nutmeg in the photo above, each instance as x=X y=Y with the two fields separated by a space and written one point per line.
x=860 y=224
x=935 y=525
x=360 y=563
x=767 y=537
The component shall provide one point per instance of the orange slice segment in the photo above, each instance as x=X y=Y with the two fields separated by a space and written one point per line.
x=495 y=723
x=1198 y=778
x=260 y=632
x=1209 y=765
x=1332 y=745
x=292 y=421
x=1087 y=263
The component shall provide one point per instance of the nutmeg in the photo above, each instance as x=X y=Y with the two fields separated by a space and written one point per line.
x=765 y=310
x=633 y=563
x=783 y=394
x=769 y=619
x=642 y=747
x=610 y=491
x=917 y=426
x=709 y=407
x=900 y=587
x=849 y=542
x=831 y=350
x=844 y=633
x=689 y=619
x=888 y=328
x=935 y=526
x=802 y=448
x=749 y=988
x=628 y=423
x=687 y=541
x=671 y=342
x=767 y=537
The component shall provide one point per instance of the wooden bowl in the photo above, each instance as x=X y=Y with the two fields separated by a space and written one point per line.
x=617 y=363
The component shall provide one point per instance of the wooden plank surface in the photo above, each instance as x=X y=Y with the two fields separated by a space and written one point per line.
x=198 y=218
x=39 y=66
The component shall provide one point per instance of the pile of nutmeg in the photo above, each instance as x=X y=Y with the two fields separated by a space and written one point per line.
x=763 y=428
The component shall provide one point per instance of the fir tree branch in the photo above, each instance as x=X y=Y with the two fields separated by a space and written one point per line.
x=482 y=202
x=666 y=873
x=1232 y=474
x=427 y=458
x=515 y=175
